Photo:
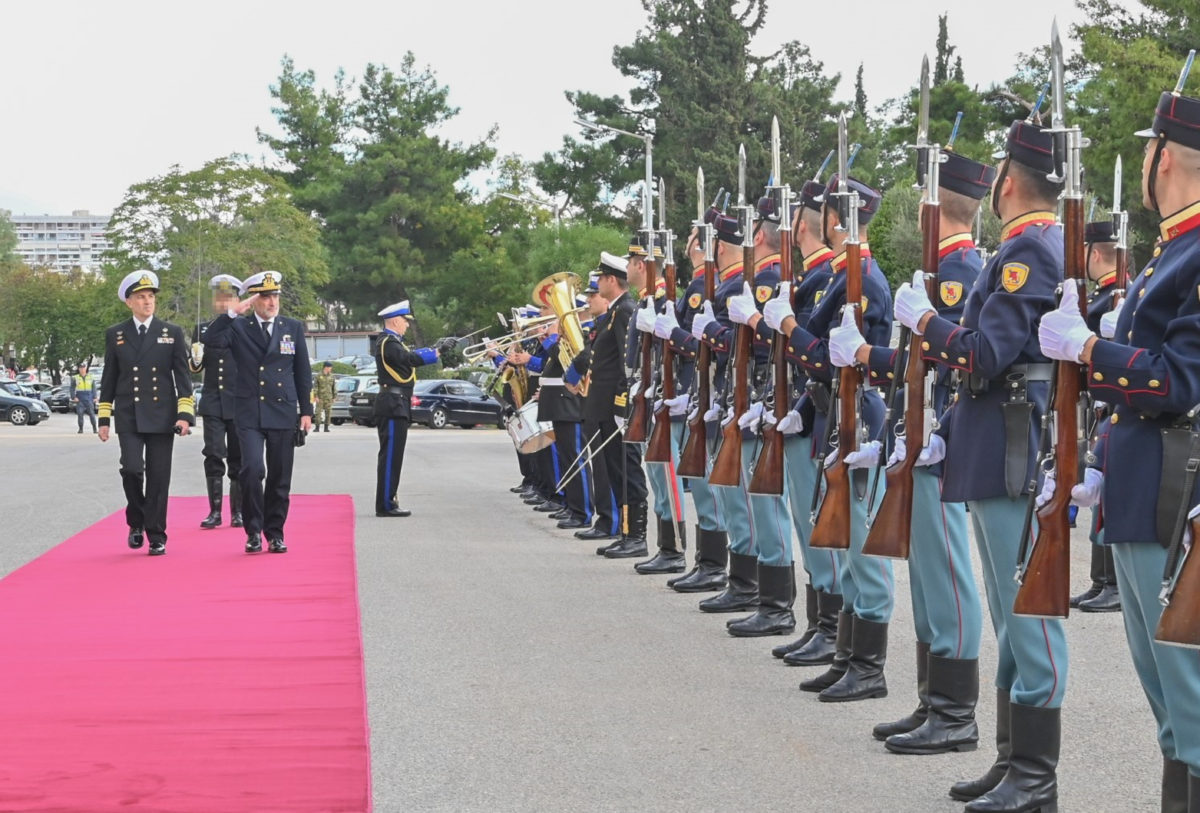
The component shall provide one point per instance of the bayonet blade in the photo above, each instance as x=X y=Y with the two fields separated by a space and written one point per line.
x=1117 y=173
x=1058 y=119
x=923 y=109
x=824 y=165
x=700 y=194
x=1183 y=75
x=843 y=148
x=662 y=203
x=776 y=167
x=741 y=191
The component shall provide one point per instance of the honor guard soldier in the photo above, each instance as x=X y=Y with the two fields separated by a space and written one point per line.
x=325 y=390
x=860 y=648
x=990 y=441
x=147 y=394
x=272 y=403
x=945 y=600
x=222 y=452
x=396 y=366
x=608 y=397
x=83 y=395
x=1149 y=373
x=1102 y=596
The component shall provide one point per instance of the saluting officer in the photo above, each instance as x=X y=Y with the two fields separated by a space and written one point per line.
x=396 y=366
x=148 y=391
x=1149 y=372
x=990 y=436
x=222 y=452
x=273 y=382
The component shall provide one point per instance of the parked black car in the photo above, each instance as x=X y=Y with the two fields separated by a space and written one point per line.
x=59 y=399
x=20 y=410
x=437 y=403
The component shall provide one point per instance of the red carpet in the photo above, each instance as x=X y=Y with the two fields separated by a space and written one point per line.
x=206 y=680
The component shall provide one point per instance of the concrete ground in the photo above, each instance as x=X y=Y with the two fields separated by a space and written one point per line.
x=510 y=669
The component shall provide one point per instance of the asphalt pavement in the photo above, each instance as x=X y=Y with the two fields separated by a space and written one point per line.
x=510 y=669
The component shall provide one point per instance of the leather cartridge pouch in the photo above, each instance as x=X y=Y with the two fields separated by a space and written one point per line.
x=1180 y=461
x=820 y=396
x=1018 y=418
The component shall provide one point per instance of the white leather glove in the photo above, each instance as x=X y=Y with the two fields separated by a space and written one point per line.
x=912 y=303
x=792 y=423
x=1063 y=331
x=712 y=413
x=665 y=323
x=776 y=311
x=935 y=452
x=1108 y=322
x=197 y=353
x=752 y=417
x=728 y=419
x=769 y=417
x=677 y=405
x=865 y=456
x=1087 y=493
x=619 y=420
x=742 y=307
x=702 y=320
x=832 y=457
x=646 y=317
x=844 y=340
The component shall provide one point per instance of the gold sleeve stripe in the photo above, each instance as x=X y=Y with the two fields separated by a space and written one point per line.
x=187 y=405
x=104 y=409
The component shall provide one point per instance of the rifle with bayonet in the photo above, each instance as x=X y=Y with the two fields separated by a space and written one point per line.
x=1045 y=573
x=1121 y=229
x=727 y=467
x=832 y=528
x=891 y=529
x=658 y=450
x=693 y=457
x=768 y=467
x=637 y=429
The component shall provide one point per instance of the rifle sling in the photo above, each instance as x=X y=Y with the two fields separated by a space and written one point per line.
x=1180 y=452
x=1018 y=419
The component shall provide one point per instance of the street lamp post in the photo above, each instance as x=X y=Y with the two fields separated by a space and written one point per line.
x=549 y=204
x=648 y=190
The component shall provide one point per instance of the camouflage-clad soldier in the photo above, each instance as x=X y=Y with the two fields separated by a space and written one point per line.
x=324 y=388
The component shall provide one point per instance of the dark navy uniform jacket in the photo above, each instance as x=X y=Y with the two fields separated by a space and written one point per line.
x=395 y=365
x=999 y=328
x=808 y=346
x=1100 y=301
x=219 y=370
x=146 y=385
x=608 y=390
x=274 y=377
x=1150 y=374
x=556 y=402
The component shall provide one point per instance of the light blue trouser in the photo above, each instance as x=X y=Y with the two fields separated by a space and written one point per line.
x=945 y=598
x=772 y=524
x=709 y=515
x=822 y=565
x=1170 y=675
x=1032 y=651
x=868 y=585
x=735 y=505
x=656 y=473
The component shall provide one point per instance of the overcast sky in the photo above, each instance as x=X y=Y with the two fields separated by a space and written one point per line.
x=98 y=96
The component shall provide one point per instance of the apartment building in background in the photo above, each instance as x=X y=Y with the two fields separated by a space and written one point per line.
x=62 y=242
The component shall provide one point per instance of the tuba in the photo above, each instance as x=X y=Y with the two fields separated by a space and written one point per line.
x=557 y=292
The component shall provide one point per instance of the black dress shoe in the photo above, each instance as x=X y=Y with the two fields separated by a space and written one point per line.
x=235 y=521
x=157 y=548
x=394 y=512
x=136 y=538
x=534 y=499
x=561 y=513
x=517 y=489
x=627 y=548
x=548 y=507
x=665 y=561
x=254 y=543
x=604 y=549
x=276 y=546
x=573 y=522
x=1108 y=600
x=595 y=532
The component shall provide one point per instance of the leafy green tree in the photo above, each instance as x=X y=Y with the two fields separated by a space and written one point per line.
x=945 y=51
x=8 y=239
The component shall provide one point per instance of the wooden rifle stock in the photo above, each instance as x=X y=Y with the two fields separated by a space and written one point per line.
x=637 y=429
x=658 y=450
x=693 y=458
x=832 y=528
x=891 y=532
x=768 y=468
x=727 y=468
x=1046 y=587
x=1179 y=624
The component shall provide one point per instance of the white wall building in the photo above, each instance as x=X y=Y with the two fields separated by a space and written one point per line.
x=62 y=242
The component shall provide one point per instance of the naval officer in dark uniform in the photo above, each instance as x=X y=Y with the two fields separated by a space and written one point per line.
x=396 y=365
x=147 y=390
x=272 y=386
x=222 y=453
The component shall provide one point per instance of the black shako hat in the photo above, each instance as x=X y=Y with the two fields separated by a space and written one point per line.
x=964 y=176
x=1030 y=145
x=1177 y=118
x=1101 y=231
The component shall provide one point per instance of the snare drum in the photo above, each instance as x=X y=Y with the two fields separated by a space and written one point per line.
x=527 y=433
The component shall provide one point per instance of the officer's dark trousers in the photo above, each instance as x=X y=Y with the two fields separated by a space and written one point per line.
x=393 y=434
x=606 y=501
x=88 y=408
x=624 y=461
x=523 y=463
x=265 y=507
x=547 y=463
x=568 y=440
x=146 y=464
x=221 y=445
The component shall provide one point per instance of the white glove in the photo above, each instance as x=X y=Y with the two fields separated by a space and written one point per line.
x=677 y=405
x=728 y=419
x=769 y=417
x=844 y=340
x=646 y=317
x=935 y=452
x=712 y=413
x=1063 y=331
x=665 y=323
x=832 y=458
x=702 y=320
x=1108 y=322
x=865 y=456
x=1087 y=493
x=752 y=417
x=742 y=307
x=619 y=420
x=197 y=353
x=792 y=423
x=776 y=311
x=912 y=302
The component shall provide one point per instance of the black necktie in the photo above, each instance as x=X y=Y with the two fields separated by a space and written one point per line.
x=266 y=326
x=141 y=331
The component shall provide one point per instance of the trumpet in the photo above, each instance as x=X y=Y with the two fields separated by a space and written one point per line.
x=525 y=327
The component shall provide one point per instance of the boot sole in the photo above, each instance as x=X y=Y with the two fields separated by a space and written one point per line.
x=699 y=587
x=816 y=662
x=850 y=698
x=962 y=747
x=739 y=608
x=657 y=571
x=761 y=633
